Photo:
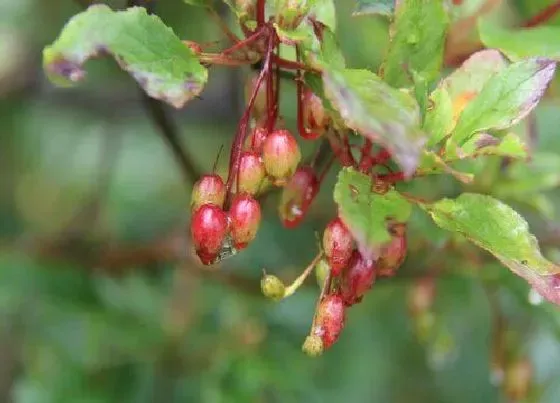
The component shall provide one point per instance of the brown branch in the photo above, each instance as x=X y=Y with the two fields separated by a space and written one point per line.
x=543 y=16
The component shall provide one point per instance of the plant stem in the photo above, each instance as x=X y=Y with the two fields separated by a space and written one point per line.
x=260 y=12
x=292 y=288
x=544 y=16
x=245 y=42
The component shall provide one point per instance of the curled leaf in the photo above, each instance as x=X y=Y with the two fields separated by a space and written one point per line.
x=142 y=45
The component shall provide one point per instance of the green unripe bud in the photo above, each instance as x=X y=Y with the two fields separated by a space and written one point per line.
x=313 y=345
x=272 y=287
x=290 y=13
x=322 y=269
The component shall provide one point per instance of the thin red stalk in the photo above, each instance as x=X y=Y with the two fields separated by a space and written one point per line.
x=342 y=154
x=303 y=132
x=292 y=65
x=277 y=86
x=247 y=41
x=270 y=97
x=326 y=170
x=260 y=12
x=241 y=134
x=392 y=177
x=543 y=16
x=381 y=157
x=366 y=160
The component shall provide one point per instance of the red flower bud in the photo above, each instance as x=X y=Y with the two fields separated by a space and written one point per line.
x=315 y=118
x=251 y=173
x=209 y=189
x=357 y=279
x=245 y=215
x=329 y=320
x=281 y=154
x=393 y=254
x=209 y=227
x=256 y=139
x=338 y=245
x=297 y=196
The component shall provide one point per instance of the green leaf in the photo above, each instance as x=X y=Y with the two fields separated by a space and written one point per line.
x=521 y=43
x=417 y=42
x=497 y=228
x=142 y=45
x=433 y=164
x=324 y=11
x=485 y=144
x=381 y=7
x=506 y=98
x=439 y=116
x=457 y=90
x=364 y=212
x=377 y=111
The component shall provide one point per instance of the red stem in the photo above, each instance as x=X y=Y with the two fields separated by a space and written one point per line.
x=342 y=152
x=292 y=65
x=277 y=86
x=543 y=16
x=241 y=44
x=303 y=132
x=381 y=157
x=241 y=134
x=260 y=12
x=270 y=96
x=366 y=161
x=392 y=177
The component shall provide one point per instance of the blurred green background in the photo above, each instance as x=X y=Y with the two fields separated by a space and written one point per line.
x=102 y=301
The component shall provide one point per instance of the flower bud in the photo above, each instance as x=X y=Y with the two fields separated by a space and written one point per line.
x=393 y=254
x=209 y=189
x=209 y=227
x=329 y=319
x=322 y=269
x=313 y=345
x=256 y=139
x=272 y=287
x=315 y=118
x=297 y=196
x=290 y=13
x=357 y=279
x=245 y=216
x=251 y=173
x=338 y=245
x=281 y=155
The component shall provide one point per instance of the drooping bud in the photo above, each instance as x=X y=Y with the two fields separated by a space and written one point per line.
x=315 y=118
x=290 y=13
x=209 y=189
x=259 y=107
x=329 y=319
x=312 y=346
x=338 y=245
x=272 y=287
x=251 y=173
x=393 y=254
x=245 y=216
x=357 y=279
x=256 y=139
x=322 y=269
x=209 y=227
x=297 y=196
x=281 y=155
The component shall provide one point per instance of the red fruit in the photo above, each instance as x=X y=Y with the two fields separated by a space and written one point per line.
x=329 y=320
x=245 y=216
x=297 y=196
x=209 y=227
x=281 y=154
x=256 y=139
x=259 y=107
x=315 y=118
x=357 y=278
x=209 y=189
x=393 y=254
x=251 y=173
x=338 y=245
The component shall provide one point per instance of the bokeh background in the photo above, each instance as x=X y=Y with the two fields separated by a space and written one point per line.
x=101 y=299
